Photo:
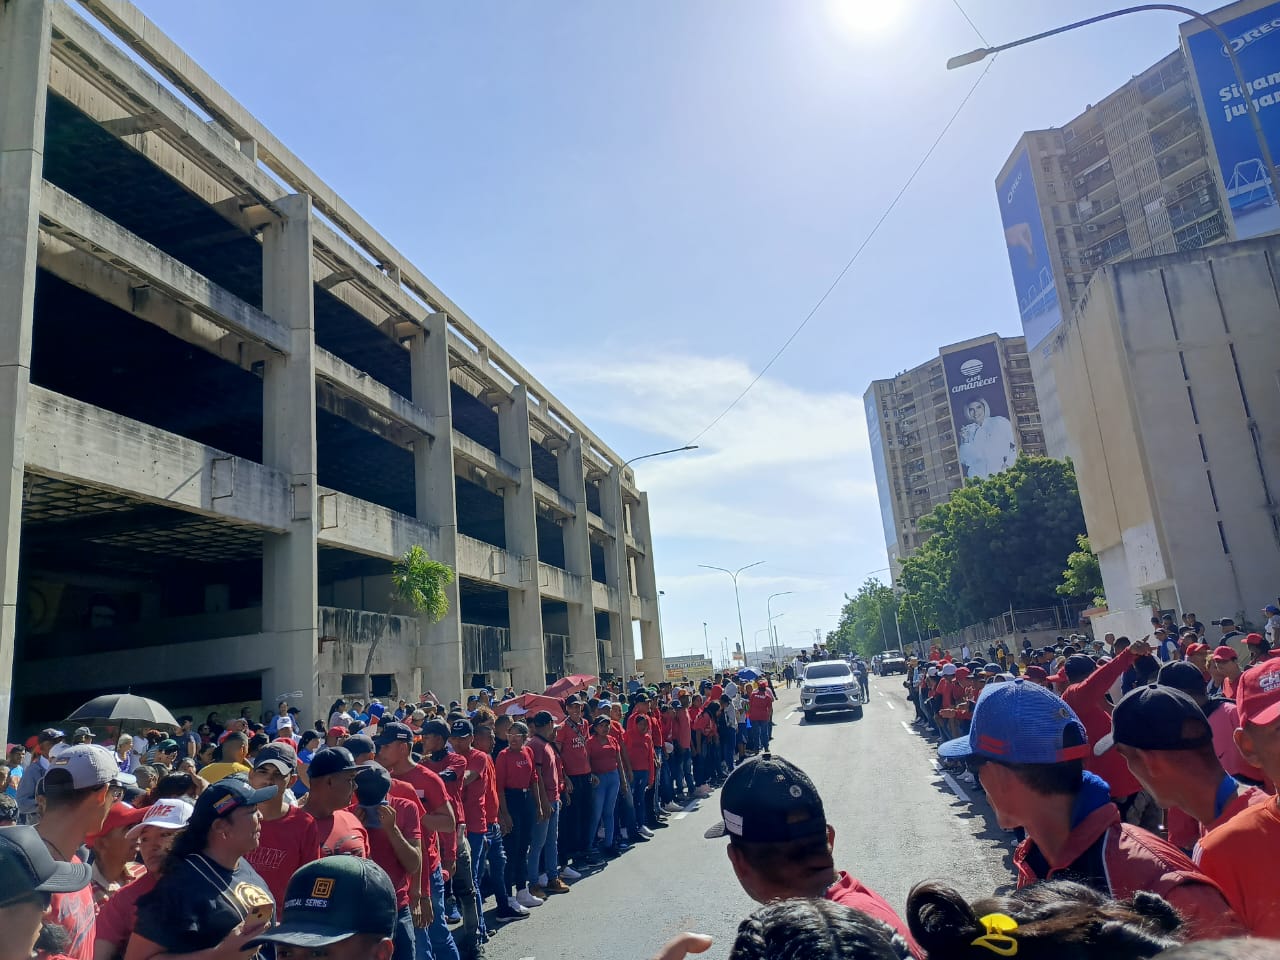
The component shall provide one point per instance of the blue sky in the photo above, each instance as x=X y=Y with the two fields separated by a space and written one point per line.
x=641 y=201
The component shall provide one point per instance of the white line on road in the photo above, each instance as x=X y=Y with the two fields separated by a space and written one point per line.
x=950 y=781
x=890 y=705
x=906 y=726
x=790 y=715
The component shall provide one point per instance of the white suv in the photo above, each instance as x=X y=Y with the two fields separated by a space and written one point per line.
x=830 y=685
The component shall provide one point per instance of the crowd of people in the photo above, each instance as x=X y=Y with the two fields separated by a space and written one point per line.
x=191 y=841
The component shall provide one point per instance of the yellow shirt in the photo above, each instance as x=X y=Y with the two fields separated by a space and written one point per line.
x=221 y=770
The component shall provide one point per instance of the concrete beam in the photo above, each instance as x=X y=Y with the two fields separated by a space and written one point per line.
x=83 y=227
x=485 y=563
x=370 y=528
x=71 y=440
x=469 y=451
x=553 y=498
x=378 y=396
x=24 y=67
x=577 y=552
x=527 y=659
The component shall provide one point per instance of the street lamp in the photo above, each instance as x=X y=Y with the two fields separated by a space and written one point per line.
x=624 y=566
x=769 y=607
x=733 y=574
x=975 y=56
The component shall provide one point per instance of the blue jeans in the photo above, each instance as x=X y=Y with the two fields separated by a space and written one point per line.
x=436 y=941
x=666 y=785
x=604 y=801
x=639 y=784
x=403 y=936
x=544 y=846
x=497 y=862
x=476 y=844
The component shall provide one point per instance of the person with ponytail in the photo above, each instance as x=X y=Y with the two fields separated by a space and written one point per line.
x=1055 y=920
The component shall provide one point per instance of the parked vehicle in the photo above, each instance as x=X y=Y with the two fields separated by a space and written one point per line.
x=893 y=661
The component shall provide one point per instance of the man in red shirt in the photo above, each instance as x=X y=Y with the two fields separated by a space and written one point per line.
x=544 y=847
x=477 y=775
x=571 y=741
x=681 y=734
x=395 y=752
x=332 y=773
x=395 y=844
x=780 y=842
x=289 y=838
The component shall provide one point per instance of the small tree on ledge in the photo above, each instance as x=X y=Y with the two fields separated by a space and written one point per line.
x=420 y=583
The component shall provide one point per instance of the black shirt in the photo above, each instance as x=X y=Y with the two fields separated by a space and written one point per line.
x=197 y=904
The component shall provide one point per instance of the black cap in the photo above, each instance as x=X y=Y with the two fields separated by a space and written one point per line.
x=1157 y=717
x=359 y=745
x=27 y=868
x=435 y=728
x=639 y=697
x=1078 y=666
x=329 y=760
x=1182 y=676
x=1226 y=621
x=462 y=728
x=227 y=795
x=373 y=783
x=769 y=800
x=280 y=755
x=334 y=898
x=542 y=718
x=394 y=733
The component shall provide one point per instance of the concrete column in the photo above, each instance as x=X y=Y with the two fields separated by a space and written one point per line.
x=440 y=653
x=647 y=587
x=581 y=655
x=289 y=568
x=526 y=659
x=24 y=78
x=617 y=572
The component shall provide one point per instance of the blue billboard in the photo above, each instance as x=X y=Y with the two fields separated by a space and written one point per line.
x=1029 y=260
x=1255 y=38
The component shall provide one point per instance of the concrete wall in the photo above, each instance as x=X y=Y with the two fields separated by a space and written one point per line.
x=1167 y=376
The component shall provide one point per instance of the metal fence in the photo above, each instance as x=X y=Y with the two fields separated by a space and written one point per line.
x=1062 y=618
x=483 y=647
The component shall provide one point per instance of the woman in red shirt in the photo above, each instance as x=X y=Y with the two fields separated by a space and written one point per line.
x=518 y=804
x=639 y=746
x=606 y=778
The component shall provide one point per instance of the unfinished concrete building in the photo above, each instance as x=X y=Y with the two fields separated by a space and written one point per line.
x=229 y=405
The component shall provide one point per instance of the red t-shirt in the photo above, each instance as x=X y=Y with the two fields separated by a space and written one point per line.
x=491 y=797
x=514 y=769
x=117 y=916
x=758 y=706
x=342 y=833
x=547 y=763
x=681 y=732
x=639 y=749
x=849 y=892
x=706 y=726
x=475 y=795
x=74 y=913
x=453 y=787
x=603 y=754
x=428 y=789
x=571 y=738
x=283 y=846
x=409 y=820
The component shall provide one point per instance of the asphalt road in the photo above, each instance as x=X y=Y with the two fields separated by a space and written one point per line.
x=897 y=822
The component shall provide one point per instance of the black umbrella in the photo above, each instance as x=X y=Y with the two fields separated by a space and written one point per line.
x=123 y=708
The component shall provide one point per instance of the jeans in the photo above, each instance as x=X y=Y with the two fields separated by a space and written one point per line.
x=521 y=808
x=728 y=749
x=682 y=770
x=639 y=786
x=476 y=844
x=404 y=936
x=666 y=783
x=497 y=864
x=544 y=840
x=577 y=811
x=436 y=941
x=463 y=887
x=603 y=804
x=754 y=730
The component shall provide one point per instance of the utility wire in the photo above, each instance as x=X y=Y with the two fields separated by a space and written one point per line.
x=964 y=14
x=857 y=253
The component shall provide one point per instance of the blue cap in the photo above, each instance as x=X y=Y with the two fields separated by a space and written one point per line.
x=1021 y=722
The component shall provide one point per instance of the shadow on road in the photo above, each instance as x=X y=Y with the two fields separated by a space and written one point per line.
x=841 y=716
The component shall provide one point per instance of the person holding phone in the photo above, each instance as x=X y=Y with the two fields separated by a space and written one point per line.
x=209 y=903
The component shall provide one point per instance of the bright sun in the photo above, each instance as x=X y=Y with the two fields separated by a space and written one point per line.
x=867 y=19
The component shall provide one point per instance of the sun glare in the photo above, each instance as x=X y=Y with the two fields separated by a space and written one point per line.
x=867 y=19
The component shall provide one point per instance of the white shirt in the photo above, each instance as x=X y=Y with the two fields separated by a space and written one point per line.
x=731 y=689
x=987 y=448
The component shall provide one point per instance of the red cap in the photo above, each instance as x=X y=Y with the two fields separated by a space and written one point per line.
x=1258 y=695
x=1194 y=648
x=1037 y=672
x=1254 y=639
x=1059 y=677
x=120 y=815
x=338 y=732
x=962 y=673
x=1225 y=653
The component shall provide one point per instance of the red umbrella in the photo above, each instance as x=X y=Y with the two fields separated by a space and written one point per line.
x=571 y=684
x=528 y=703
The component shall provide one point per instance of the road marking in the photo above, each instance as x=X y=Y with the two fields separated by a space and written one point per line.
x=890 y=705
x=906 y=726
x=790 y=715
x=950 y=781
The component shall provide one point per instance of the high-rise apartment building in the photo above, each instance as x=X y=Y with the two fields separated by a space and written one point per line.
x=1130 y=177
x=966 y=413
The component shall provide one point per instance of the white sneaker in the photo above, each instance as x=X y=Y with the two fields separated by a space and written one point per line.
x=542 y=880
x=644 y=832
x=526 y=899
x=673 y=807
x=514 y=904
x=568 y=873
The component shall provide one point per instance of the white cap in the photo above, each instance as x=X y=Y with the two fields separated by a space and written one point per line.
x=165 y=814
x=948 y=669
x=90 y=765
x=933 y=672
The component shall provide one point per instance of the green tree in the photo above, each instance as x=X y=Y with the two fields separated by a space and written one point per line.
x=420 y=583
x=999 y=542
x=866 y=620
x=1083 y=576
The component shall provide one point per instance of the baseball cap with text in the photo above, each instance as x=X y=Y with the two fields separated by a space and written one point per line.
x=1258 y=694
x=769 y=800
x=331 y=899
x=1021 y=722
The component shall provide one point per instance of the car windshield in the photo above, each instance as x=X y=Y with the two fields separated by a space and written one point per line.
x=818 y=671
